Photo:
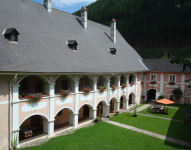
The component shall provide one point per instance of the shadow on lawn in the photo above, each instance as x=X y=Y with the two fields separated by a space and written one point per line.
x=178 y=130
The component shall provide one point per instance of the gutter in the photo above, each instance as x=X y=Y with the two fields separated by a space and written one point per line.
x=10 y=100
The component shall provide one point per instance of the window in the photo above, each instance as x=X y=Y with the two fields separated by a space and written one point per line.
x=11 y=34
x=87 y=81
x=153 y=77
x=141 y=76
x=72 y=44
x=172 y=78
x=130 y=78
x=112 y=51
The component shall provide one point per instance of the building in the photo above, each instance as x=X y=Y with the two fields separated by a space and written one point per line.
x=44 y=50
x=163 y=77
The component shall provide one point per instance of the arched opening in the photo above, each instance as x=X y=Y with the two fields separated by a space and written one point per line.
x=32 y=84
x=122 y=101
x=101 y=81
x=32 y=127
x=132 y=78
x=123 y=79
x=113 y=81
x=152 y=94
x=64 y=83
x=85 y=113
x=85 y=82
x=63 y=119
x=131 y=98
x=113 y=105
x=101 y=108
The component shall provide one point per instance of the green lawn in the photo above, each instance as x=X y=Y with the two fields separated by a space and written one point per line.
x=165 y=127
x=173 y=114
x=104 y=136
x=180 y=106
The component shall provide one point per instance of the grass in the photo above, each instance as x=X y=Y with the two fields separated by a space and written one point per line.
x=108 y=137
x=180 y=106
x=165 y=127
x=172 y=113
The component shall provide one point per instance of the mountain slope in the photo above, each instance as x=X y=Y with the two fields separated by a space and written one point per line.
x=147 y=24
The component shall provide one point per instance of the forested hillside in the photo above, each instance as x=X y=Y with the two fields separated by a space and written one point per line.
x=148 y=25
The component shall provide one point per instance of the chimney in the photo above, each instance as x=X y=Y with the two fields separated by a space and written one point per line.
x=48 y=5
x=84 y=17
x=113 y=30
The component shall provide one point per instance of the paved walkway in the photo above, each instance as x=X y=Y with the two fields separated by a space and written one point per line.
x=160 y=136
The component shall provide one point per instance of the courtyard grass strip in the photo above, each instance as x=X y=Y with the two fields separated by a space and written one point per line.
x=168 y=128
x=173 y=114
x=108 y=137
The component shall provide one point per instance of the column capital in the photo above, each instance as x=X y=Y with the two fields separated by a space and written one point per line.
x=48 y=121
x=15 y=86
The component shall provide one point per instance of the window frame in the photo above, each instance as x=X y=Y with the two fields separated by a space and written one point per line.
x=174 y=78
x=155 y=77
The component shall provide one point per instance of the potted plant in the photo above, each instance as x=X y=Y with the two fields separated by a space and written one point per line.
x=98 y=119
x=102 y=88
x=65 y=93
x=124 y=85
x=142 y=81
x=87 y=90
x=23 y=95
x=131 y=83
x=153 y=82
x=34 y=96
x=113 y=87
x=116 y=113
x=166 y=110
x=20 y=96
x=171 y=83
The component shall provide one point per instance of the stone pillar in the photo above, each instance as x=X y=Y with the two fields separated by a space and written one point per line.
x=136 y=89
x=15 y=112
x=108 y=91
x=182 y=88
x=145 y=88
x=161 y=83
x=50 y=123
x=126 y=106
x=76 y=103
x=48 y=127
x=107 y=110
x=95 y=100
x=92 y=113
x=118 y=95
x=16 y=136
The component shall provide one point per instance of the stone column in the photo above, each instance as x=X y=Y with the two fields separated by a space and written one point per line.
x=126 y=104
x=145 y=88
x=15 y=112
x=50 y=123
x=48 y=127
x=161 y=83
x=95 y=100
x=182 y=88
x=108 y=91
x=118 y=95
x=76 y=103
x=136 y=89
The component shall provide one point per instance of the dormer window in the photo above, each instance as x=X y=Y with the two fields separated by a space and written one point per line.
x=72 y=44
x=11 y=34
x=112 y=51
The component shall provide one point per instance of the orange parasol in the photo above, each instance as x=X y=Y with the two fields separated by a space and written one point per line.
x=165 y=101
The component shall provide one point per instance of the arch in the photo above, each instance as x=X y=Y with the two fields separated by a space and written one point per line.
x=131 y=98
x=68 y=108
x=187 y=93
x=132 y=77
x=102 y=101
x=122 y=102
x=104 y=76
x=132 y=93
x=153 y=95
x=91 y=107
x=88 y=75
x=152 y=88
x=44 y=79
x=42 y=115
x=167 y=91
x=113 y=105
x=113 y=98
x=113 y=80
x=68 y=76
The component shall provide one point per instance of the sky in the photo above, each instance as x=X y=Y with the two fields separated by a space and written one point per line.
x=69 y=6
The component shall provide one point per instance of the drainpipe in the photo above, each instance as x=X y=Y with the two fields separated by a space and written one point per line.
x=15 y=77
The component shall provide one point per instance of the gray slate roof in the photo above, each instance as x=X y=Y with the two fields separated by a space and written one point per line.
x=42 y=42
x=163 y=65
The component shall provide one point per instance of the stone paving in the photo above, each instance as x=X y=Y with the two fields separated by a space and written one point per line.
x=160 y=136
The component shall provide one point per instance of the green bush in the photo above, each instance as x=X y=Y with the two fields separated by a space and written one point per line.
x=177 y=93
